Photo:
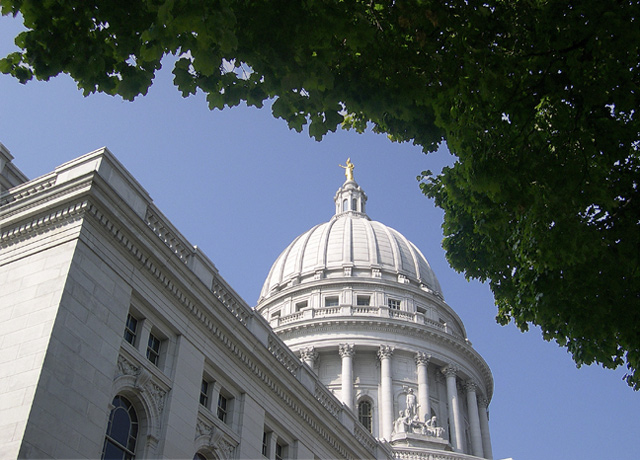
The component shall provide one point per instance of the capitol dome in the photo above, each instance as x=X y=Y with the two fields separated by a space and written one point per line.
x=351 y=242
x=360 y=305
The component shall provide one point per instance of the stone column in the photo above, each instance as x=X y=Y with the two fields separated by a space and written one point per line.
x=483 y=405
x=474 y=419
x=309 y=356
x=450 y=372
x=386 y=389
x=422 y=362
x=346 y=353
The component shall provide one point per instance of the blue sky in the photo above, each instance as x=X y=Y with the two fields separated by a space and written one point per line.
x=240 y=185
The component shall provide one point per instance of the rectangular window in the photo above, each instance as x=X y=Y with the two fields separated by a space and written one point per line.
x=393 y=304
x=222 y=408
x=204 y=393
x=301 y=305
x=275 y=314
x=153 y=349
x=265 y=444
x=130 y=329
x=331 y=301
x=279 y=451
x=363 y=300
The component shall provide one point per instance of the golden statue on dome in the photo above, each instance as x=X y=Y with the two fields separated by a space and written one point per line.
x=348 y=170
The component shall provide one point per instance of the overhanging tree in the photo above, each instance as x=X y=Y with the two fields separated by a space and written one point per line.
x=537 y=99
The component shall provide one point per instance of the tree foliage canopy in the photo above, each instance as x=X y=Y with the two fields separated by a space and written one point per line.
x=538 y=99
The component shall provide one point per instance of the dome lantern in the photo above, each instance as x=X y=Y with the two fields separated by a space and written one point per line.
x=350 y=197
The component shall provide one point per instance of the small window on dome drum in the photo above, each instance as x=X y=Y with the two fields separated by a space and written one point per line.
x=363 y=300
x=393 y=304
x=331 y=301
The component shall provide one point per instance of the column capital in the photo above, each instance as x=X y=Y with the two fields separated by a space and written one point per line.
x=308 y=354
x=483 y=402
x=385 y=351
x=346 y=350
x=422 y=358
x=450 y=370
x=470 y=386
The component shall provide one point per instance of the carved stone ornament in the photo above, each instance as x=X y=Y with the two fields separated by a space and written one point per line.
x=407 y=423
x=422 y=358
x=215 y=439
x=450 y=370
x=125 y=367
x=385 y=351
x=470 y=386
x=143 y=382
x=308 y=354
x=346 y=350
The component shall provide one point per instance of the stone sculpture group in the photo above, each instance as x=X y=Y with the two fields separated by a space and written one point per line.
x=408 y=420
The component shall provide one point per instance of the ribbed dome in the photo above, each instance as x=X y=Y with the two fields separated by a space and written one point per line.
x=350 y=244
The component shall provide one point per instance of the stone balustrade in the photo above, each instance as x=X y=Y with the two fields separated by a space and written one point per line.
x=355 y=311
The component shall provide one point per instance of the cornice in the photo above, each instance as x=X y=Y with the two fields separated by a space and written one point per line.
x=62 y=216
x=24 y=190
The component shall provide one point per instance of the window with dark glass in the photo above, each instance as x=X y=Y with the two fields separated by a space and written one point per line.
x=364 y=414
x=153 y=349
x=204 y=393
x=279 y=451
x=265 y=444
x=199 y=456
x=393 y=304
x=130 y=329
x=363 y=300
x=222 y=408
x=122 y=431
x=331 y=301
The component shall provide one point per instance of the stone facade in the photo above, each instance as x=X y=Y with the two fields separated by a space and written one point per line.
x=104 y=305
x=81 y=249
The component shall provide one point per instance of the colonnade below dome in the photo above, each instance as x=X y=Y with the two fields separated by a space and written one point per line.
x=456 y=404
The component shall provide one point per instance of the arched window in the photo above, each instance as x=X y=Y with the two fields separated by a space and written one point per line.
x=122 y=431
x=354 y=204
x=345 y=205
x=364 y=414
x=199 y=456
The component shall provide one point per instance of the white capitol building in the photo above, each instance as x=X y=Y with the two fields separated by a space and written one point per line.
x=125 y=341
